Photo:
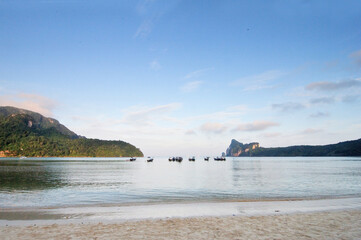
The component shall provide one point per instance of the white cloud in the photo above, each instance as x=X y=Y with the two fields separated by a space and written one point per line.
x=144 y=29
x=150 y=11
x=213 y=127
x=351 y=98
x=143 y=6
x=319 y=114
x=356 y=56
x=32 y=102
x=254 y=126
x=238 y=108
x=142 y=116
x=258 y=81
x=334 y=86
x=322 y=100
x=155 y=65
x=190 y=132
x=311 y=131
x=197 y=73
x=191 y=86
x=288 y=106
x=271 y=135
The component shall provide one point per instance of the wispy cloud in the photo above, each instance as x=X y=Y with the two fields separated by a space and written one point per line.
x=150 y=11
x=155 y=65
x=288 y=106
x=258 y=81
x=191 y=86
x=143 y=6
x=213 y=127
x=319 y=115
x=147 y=10
x=190 y=132
x=322 y=100
x=255 y=126
x=232 y=112
x=143 y=116
x=271 y=135
x=197 y=73
x=351 y=98
x=311 y=131
x=32 y=102
x=356 y=56
x=144 y=29
x=334 y=86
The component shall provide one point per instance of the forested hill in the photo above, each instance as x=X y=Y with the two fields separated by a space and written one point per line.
x=26 y=133
x=38 y=120
x=348 y=148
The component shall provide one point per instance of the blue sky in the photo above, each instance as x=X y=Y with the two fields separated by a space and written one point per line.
x=186 y=77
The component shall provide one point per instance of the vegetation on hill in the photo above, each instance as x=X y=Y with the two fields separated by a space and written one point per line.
x=38 y=120
x=25 y=133
x=348 y=148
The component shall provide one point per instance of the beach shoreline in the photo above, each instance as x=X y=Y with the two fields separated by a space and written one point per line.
x=117 y=213
x=342 y=224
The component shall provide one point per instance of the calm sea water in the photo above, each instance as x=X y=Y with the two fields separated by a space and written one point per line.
x=42 y=182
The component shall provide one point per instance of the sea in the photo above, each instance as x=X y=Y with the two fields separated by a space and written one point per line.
x=69 y=182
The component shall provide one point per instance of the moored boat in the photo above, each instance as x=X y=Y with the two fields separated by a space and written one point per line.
x=175 y=159
x=219 y=159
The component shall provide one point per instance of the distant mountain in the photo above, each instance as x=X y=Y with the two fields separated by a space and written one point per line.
x=27 y=133
x=348 y=148
x=37 y=120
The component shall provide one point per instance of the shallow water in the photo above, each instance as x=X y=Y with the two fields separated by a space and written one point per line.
x=49 y=182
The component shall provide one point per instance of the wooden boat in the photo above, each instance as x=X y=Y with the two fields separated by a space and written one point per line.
x=219 y=159
x=175 y=159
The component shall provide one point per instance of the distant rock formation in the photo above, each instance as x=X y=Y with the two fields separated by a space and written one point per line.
x=237 y=149
x=348 y=148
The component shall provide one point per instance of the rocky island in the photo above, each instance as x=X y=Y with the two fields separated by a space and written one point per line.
x=348 y=148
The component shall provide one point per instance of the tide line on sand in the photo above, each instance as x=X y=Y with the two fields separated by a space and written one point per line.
x=120 y=213
x=317 y=225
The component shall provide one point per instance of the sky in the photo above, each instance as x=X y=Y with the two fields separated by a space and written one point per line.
x=186 y=77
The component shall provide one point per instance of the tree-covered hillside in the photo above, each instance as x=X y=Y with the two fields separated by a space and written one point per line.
x=38 y=120
x=25 y=133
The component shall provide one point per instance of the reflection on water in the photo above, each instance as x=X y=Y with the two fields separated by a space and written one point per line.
x=27 y=176
x=74 y=181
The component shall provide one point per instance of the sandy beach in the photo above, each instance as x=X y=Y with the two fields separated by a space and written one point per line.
x=319 y=225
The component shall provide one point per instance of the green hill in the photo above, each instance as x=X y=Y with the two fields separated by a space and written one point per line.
x=348 y=148
x=26 y=133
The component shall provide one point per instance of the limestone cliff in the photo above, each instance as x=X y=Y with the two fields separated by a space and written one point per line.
x=347 y=148
x=237 y=149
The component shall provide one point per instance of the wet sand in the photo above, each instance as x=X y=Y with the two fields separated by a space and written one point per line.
x=316 y=225
x=299 y=219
